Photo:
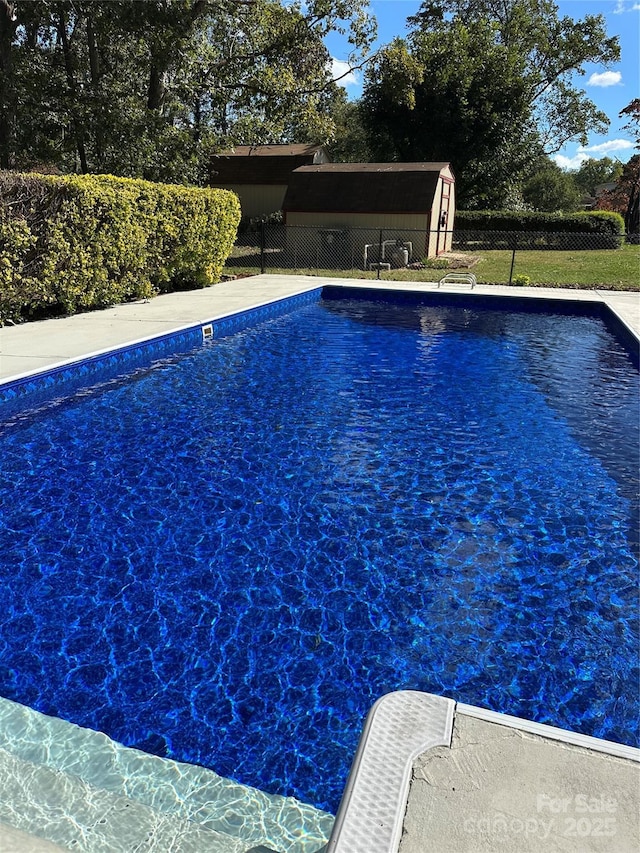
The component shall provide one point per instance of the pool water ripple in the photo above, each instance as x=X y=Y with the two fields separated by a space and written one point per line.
x=228 y=559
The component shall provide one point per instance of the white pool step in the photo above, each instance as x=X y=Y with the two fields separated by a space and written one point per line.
x=75 y=787
x=399 y=727
x=77 y=816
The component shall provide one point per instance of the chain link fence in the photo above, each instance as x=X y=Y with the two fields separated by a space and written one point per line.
x=499 y=257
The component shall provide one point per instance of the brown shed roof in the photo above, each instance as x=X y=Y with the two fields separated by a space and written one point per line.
x=260 y=164
x=363 y=187
x=270 y=151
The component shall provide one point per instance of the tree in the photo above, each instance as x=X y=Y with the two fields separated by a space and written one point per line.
x=350 y=143
x=151 y=88
x=592 y=173
x=625 y=198
x=551 y=189
x=419 y=105
x=630 y=182
x=485 y=84
x=630 y=177
x=553 y=49
x=632 y=110
x=8 y=101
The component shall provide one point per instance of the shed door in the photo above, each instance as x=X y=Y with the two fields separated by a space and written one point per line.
x=444 y=223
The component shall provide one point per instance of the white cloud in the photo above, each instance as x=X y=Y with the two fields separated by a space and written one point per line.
x=338 y=68
x=622 y=7
x=571 y=162
x=607 y=147
x=593 y=152
x=607 y=78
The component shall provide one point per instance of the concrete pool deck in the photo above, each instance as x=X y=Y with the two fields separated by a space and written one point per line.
x=433 y=774
x=505 y=786
x=32 y=347
x=484 y=764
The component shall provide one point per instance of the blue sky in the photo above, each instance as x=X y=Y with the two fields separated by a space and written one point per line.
x=610 y=89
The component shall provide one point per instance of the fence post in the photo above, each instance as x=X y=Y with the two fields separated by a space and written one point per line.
x=513 y=256
x=379 y=254
x=262 y=245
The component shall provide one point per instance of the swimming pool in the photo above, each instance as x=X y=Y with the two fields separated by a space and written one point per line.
x=229 y=557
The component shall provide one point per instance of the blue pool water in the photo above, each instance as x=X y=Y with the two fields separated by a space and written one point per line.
x=228 y=558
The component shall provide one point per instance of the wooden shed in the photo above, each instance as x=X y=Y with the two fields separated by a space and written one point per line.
x=414 y=202
x=259 y=174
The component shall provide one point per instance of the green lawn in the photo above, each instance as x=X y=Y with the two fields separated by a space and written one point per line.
x=611 y=269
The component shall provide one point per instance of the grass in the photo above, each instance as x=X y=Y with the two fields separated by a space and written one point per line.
x=612 y=269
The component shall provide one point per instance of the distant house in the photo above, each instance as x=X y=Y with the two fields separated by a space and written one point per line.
x=412 y=202
x=591 y=202
x=259 y=174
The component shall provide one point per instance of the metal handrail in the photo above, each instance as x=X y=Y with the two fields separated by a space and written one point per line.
x=459 y=278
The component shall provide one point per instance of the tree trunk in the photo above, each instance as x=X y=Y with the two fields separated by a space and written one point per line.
x=632 y=215
x=155 y=97
x=94 y=59
x=7 y=85
x=68 y=67
x=159 y=63
x=94 y=66
x=197 y=119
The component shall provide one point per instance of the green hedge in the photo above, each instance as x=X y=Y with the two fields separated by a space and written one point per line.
x=79 y=242
x=597 y=229
x=587 y=222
